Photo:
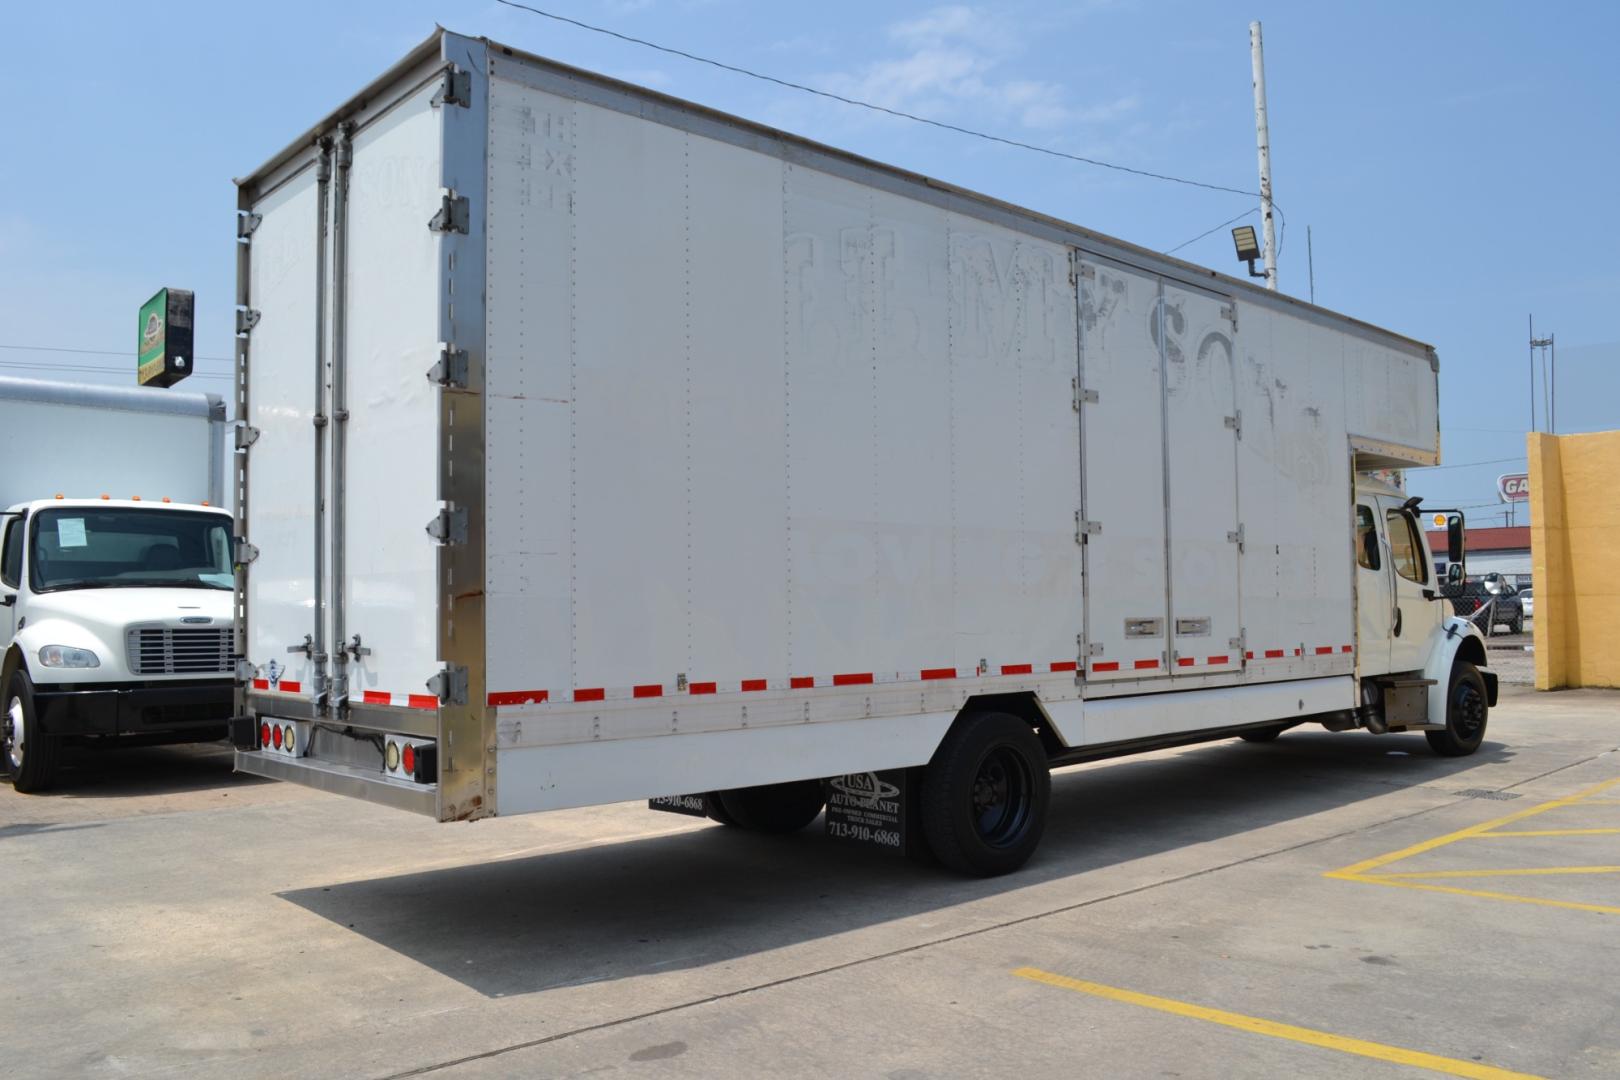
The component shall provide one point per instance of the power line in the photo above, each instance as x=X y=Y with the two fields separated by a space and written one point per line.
x=95 y=352
x=1218 y=228
x=1468 y=464
x=77 y=369
x=881 y=108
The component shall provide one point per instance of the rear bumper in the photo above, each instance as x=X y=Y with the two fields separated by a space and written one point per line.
x=144 y=708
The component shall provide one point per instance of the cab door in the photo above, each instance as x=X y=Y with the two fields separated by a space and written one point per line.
x=1375 y=603
x=11 y=569
x=1413 y=615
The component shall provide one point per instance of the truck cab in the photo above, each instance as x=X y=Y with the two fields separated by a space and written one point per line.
x=116 y=624
x=1421 y=667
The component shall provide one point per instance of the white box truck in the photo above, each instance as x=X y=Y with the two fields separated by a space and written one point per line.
x=602 y=446
x=115 y=570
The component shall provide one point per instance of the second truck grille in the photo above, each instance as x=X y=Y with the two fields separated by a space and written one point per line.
x=159 y=650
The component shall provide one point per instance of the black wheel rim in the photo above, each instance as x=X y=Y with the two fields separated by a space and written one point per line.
x=1002 y=795
x=1467 y=710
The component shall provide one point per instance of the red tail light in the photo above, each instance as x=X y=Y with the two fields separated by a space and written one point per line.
x=407 y=760
x=264 y=734
x=275 y=736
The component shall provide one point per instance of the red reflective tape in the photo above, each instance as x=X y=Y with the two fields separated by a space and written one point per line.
x=1105 y=665
x=1020 y=669
x=261 y=684
x=290 y=687
x=1219 y=660
x=1323 y=650
x=1274 y=654
x=1186 y=661
x=594 y=694
x=702 y=688
x=1296 y=652
x=649 y=690
x=422 y=701
x=1248 y=656
x=1344 y=648
x=376 y=697
x=1140 y=664
x=935 y=673
x=753 y=684
x=858 y=678
x=1064 y=665
x=519 y=697
x=802 y=682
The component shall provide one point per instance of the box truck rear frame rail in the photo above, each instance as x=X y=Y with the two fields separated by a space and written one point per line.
x=600 y=446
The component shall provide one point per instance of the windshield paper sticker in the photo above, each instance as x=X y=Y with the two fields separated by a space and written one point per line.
x=70 y=533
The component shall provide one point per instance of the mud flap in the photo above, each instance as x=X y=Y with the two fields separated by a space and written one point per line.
x=876 y=810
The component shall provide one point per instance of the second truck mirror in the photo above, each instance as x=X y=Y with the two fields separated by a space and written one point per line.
x=1454 y=539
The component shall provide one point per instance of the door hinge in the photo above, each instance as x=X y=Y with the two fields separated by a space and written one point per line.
x=457 y=89
x=245 y=671
x=1235 y=423
x=450 y=369
x=1236 y=537
x=245 y=552
x=1083 y=529
x=246 y=320
x=1083 y=397
x=450 y=526
x=1239 y=643
x=246 y=436
x=450 y=685
x=1229 y=313
x=454 y=214
x=246 y=224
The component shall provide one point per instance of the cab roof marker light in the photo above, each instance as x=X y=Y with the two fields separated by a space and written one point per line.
x=134 y=498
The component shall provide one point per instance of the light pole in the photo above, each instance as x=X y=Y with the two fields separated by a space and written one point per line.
x=1263 y=141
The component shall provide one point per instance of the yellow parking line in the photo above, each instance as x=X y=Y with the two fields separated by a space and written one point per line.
x=1544 y=832
x=1257 y=1026
x=1360 y=868
x=1497 y=873
x=1373 y=879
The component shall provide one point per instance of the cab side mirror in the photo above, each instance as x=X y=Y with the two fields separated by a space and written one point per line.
x=1454 y=575
x=8 y=600
x=1454 y=540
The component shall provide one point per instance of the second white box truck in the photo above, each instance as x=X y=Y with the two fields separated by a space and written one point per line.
x=601 y=446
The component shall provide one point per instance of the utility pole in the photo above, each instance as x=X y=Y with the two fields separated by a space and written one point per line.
x=1263 y=139
x=1532 y=371
x=1549 y=378
x=1310 y=260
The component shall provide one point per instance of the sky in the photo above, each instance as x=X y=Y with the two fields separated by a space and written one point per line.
x=1455 y=163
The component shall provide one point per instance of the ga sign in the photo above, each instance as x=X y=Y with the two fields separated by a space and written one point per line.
x=1514 y=487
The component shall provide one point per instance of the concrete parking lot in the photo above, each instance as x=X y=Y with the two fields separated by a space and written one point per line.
x=1326 y=905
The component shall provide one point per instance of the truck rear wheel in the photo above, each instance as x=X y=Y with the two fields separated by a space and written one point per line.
x=29 y=755
x=1467 y=710
x=985 y=794
x=772 y=808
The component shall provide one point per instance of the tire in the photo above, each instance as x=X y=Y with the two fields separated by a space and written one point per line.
x=1466 y=713
x=29 y=756
x=772 y=808
x=985 y=794
x=1517 y=625
x=717 y=812
x=1260 y=735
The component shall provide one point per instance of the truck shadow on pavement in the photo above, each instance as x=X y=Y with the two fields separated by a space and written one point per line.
x=90 y=772
x=668 y=903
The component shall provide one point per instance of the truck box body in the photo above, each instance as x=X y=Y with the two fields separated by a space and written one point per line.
x=84 y=441
x=680 y=454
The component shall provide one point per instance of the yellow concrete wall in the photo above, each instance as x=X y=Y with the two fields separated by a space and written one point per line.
x=1575 y=558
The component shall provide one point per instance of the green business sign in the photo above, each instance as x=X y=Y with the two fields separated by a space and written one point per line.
x=163 y=342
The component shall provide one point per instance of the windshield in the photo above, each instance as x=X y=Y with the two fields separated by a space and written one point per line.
x=125 y=548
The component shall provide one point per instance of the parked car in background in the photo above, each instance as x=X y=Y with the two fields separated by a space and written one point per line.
x=1480 y=593
x=1527 y=602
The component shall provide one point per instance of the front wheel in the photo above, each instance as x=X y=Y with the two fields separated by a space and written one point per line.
x=29 y=754
x=985 y=794
x=1466 y=713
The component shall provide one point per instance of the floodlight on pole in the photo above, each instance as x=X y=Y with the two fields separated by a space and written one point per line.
x=1248 y=248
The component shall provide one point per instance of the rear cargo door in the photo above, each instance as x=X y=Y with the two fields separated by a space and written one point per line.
x=386 y=409
x=1201 y=433
x=1122 y=521
x=285 y=255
